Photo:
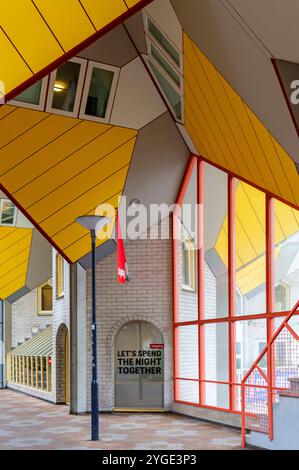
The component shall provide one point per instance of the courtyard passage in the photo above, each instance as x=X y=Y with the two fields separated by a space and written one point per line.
x=29 y=423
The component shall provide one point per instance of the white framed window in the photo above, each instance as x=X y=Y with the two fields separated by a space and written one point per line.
x=34 y=97
x=45 y=300
x=65 y=88
x=8 y=213
x=59 y=276
x=166 y=66
x=281 y=357
x=239 y=361
x=282 y=297
x=99 y=92
x=259 y=347
x=188 y=265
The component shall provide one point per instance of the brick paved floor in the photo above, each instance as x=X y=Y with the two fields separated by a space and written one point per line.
x=29 y=423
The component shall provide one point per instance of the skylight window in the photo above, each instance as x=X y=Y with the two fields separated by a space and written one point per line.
x=78 y=88
x=99 y=91
x=65 y=88
x=33 y=97
x=8 y=212
x=164 y=43
x=165 y=64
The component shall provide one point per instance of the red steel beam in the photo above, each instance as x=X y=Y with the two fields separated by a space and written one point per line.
x=232 y=286
x=200 y=279
x=175 y=268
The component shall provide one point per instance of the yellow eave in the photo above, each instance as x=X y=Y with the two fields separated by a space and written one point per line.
x=15 y=244
x=35 y=35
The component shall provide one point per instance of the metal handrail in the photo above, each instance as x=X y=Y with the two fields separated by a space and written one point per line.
x=255 y=366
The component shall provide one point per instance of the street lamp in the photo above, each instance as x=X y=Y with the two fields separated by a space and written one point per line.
x=94 y=223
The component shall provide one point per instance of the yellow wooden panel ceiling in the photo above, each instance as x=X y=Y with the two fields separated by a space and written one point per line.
x=59 y=168
x=15 y=244
x=228 y=133
x=35 y=33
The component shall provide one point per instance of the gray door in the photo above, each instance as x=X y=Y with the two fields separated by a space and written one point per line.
x=139 y=367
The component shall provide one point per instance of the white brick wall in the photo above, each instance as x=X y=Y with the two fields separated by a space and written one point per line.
x=148 y=297
x=25 y=317
x=61 y=312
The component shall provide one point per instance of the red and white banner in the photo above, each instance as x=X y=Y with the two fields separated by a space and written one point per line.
x=121 y=255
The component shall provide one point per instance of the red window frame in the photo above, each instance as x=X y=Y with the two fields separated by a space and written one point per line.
x=232 y=318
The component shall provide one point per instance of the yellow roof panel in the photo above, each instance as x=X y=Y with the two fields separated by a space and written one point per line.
x=58 y=168
x=57 y=12
x=107 y=12
x=225 y=131
x=37 y=34
x=15 y=244
x=18 y=71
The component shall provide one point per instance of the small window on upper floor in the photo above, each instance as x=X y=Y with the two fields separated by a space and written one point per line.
x=164 y=43
x=8 y=212
x=188 y=265
x=59 y=276
x=45 y=299
x=282 y=297
x=65 y=87
x=99 y=91
x=34 y=97
x=165 y=64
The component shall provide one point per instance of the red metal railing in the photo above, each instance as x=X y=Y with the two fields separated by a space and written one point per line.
x=262 y=385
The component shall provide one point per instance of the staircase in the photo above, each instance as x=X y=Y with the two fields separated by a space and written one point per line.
x=285 y=422
x=270 y=397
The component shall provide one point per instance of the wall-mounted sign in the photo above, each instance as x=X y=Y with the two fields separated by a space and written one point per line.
x=140 y=362
x=157 y=346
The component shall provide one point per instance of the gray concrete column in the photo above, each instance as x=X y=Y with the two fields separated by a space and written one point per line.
x=77 y=339
x=5 y=338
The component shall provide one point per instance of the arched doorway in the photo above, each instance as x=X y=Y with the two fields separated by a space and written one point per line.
x=62 y=365
x=139 y=367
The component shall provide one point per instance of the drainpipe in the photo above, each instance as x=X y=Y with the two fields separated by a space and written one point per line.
x=2 y=350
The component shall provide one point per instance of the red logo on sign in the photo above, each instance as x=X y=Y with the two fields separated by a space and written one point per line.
x=156 y=346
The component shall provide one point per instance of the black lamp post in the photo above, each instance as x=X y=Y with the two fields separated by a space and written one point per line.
x=94 y=223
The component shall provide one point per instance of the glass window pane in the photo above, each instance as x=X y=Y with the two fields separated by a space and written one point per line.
x=285 y=352
x=252 y=336
x=188 y=391
x=286 y=236
x=188 y=298
x=99 y=92
x=217 y=395
x=31 y=95
x=250 y=250
x=166 y=66
x=186 y=265
x=172 y=95
x=46 y=298
x=8 y=212
x=188 y=352
x=215 y=243
x=65 y=86
x=164 y=43
x=216 y=352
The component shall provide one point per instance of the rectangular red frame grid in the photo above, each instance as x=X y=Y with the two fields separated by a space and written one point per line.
x=232 y=318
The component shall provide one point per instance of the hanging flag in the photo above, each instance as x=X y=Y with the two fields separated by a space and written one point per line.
x=121 y=255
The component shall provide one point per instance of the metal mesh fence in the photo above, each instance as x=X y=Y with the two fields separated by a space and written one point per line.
x=256 y=405
x=262 y=388
x=285 y=359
